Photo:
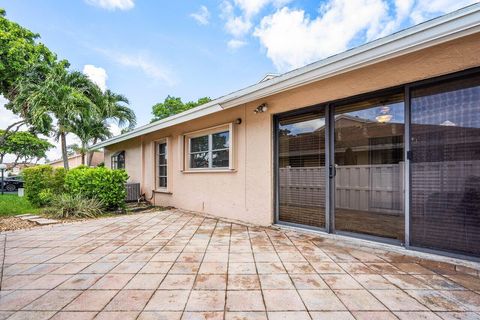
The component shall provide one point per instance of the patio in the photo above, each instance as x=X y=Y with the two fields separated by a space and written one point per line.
x=177 y=265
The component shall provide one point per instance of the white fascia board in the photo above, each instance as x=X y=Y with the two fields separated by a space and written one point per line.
x=451 y=26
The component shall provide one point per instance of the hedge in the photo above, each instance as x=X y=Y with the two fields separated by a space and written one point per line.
x=102 y=183
x=42 y=182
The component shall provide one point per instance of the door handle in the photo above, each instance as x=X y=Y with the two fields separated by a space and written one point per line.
x=332 y=171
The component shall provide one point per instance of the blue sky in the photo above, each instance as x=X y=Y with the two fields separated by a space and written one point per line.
x=149 y=49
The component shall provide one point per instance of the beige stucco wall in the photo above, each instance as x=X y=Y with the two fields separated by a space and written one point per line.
x=75 y=161
x=247 y=193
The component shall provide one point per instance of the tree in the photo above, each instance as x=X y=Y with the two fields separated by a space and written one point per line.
x=19 y=52
x=173 y=105
x=26 y=147
x=93 y=125
x=60 y=97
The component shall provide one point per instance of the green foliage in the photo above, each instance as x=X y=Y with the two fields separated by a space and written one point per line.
x=74 y=206
x=40 y=182
x=24 y=145
x=45 y=196
x=11 y=204
x=173 y=105
x=105 y=184
x=19 y=51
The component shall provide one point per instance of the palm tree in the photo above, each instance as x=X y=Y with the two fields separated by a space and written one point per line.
x=61 y=97
x=111 y=107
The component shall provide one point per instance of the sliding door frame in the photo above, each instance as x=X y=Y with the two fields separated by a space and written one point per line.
x=329 y=108
x=276 y=171
x=408 y=156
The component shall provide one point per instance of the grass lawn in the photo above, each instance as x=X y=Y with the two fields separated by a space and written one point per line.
x=11 y=204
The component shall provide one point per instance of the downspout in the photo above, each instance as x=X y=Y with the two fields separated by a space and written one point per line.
x=142 y=170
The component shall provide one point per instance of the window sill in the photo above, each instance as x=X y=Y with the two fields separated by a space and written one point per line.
x=210 y=171
x=162 y=191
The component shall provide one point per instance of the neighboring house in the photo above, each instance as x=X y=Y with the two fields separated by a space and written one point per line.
x=76 y=160
x=15 y=169
x=380 y=142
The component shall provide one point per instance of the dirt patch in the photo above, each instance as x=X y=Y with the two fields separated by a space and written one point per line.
x=12 y=223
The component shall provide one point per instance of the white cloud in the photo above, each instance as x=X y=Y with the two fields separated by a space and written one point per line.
x=239 y=14
x=142 y=61
x=201 y=16
x=112 y=4
x=293 y=39
x=235 y=44
x=98 y=75
x=427 y=9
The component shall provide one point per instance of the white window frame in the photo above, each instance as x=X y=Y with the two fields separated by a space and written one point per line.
x=157 y=164
x=114 y=160
x=210 y=132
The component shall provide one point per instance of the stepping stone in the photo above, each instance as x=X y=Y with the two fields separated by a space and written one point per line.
x=29 y=217
x=25 y=215
x=43 y=222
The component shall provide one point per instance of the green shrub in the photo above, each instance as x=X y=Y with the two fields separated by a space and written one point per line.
x=74 y=206
x=45 y=197
x=102 y=183
x=42 y=181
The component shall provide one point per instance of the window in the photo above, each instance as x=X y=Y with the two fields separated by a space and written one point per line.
x=210 y=151
x=118 y=160
x=162 y=169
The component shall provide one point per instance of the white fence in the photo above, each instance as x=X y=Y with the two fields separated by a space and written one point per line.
x=361 y=187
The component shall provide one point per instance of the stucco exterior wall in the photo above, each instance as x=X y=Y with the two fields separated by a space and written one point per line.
x=75 y=161
x=247 y=194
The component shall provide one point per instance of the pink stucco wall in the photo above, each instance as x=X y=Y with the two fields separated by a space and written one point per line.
x=247 y=193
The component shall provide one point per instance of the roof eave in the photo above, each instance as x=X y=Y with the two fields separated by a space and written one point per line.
x=455 y=25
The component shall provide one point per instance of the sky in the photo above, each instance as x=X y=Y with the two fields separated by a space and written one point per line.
x=148 y=49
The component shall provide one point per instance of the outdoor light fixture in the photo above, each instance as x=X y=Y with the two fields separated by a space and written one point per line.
x=238 y=121
x=261 y=108
x=3 y=166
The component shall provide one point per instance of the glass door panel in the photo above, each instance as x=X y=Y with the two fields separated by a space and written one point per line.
x=301 y=169
x=369 y=152
x=445 y=168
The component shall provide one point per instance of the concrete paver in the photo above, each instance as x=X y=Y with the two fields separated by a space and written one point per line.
x=177 y=265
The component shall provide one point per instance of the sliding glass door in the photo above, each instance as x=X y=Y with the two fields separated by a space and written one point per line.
x=445 y=166
x=369 y=165
x=345 y=170
x=301 y=169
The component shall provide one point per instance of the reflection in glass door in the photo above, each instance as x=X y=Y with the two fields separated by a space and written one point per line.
x=369 y=152
x=445 y=166
x=301 y=169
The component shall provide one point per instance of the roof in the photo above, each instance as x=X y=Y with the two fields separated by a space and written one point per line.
x=448 y=27
x=73 y=156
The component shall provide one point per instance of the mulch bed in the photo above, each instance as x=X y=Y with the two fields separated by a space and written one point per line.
x=12 y=223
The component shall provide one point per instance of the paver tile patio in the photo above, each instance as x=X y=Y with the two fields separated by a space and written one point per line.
x=176 y=265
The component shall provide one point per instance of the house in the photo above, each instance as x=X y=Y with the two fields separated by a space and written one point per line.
x=76 y=160
x=14 y=169
x=381 y=142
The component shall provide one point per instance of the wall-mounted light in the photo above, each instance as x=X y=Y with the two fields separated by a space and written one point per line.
x=261 y=108
x=238 y=121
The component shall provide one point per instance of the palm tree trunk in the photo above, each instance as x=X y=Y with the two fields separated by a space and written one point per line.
x=90 y=154
x=63 y=142
x=82 y=153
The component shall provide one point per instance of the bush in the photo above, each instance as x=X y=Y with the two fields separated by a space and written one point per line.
x=102 y=183
x=74 y=206
x=40 y=182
